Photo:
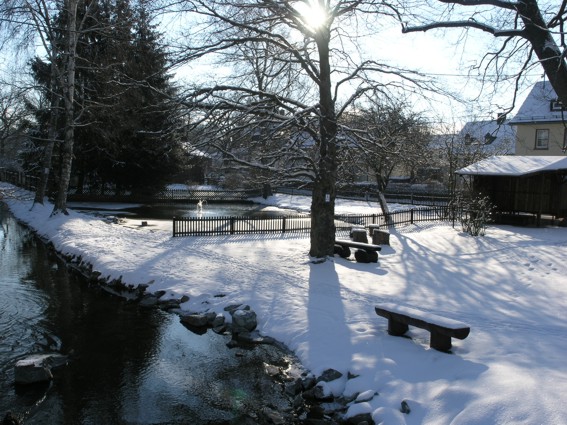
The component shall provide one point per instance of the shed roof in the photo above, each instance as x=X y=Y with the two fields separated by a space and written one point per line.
x=503 y=165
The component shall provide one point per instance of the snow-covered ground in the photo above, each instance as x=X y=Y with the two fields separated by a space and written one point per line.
x=509 y=286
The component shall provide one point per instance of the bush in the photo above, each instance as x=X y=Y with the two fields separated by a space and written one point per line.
x=476 y=214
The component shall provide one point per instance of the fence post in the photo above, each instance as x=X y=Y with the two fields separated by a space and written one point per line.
x=174 y=226
x=283 y=224
x=411 y=216
x=232 y=225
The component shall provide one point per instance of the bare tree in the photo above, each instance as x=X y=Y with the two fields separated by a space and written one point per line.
x=293 y=132
x=57 y=26
x=527 y=27
x=388 y=136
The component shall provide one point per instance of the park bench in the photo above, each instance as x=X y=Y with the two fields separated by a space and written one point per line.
x=442 y=329
x=366 y=252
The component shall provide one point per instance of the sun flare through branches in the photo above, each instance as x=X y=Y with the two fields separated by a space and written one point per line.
x=313 y=14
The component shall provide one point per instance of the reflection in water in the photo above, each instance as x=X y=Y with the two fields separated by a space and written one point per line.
x=128 y=365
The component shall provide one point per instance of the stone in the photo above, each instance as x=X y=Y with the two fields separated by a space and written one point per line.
x=358 y=234
x=404 y=407
x=196 y=320
x=329 y=375
x=381 y=237
x=365 y=396
x=233 y=307
x=361 y=419
x=363 y=256
x=219 y=324
x=37 y=368
x=9 y=419
x=149 y=301
x=244 y=320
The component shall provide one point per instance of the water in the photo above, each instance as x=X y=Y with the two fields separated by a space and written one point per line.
x=128 y=365
x=168 y=211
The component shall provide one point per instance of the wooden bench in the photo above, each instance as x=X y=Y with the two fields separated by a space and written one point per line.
x=366 y=252
x=442 y=329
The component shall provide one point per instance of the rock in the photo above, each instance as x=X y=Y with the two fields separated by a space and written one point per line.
x=363 y=256
x=308 y=382
x=358 y=234
x=233 y=307
x=273 y=416
x=361 y=419
x=293 y=388
x=244 y=320
x=329 y=375
x=316 y=393
x=404 y=408
x=380 y=237
x=148 y=300
x=365 y=396
x=219 y=324
x=196 y=320
x=9 y=419
x=37 y=368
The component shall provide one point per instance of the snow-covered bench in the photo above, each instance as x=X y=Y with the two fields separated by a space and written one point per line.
x=441 y=328
x=366 y=252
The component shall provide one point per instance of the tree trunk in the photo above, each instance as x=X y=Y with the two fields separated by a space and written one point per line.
x=324 y=189
x=545 y=47
x=69 y=98
x=41 y=188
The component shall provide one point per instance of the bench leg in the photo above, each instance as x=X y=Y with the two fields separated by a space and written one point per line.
x=440 y=342
x=396 y=328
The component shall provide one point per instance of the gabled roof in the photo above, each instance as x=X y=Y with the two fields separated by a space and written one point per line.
x=537 y=106
x=515 y=165
x=490 y=135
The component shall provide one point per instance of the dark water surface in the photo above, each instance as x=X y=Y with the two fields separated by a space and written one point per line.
x=168 y=211
x=128 y=365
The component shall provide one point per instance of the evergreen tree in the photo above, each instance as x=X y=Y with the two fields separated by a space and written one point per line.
x=124 y=137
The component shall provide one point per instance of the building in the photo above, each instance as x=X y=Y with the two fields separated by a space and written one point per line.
x=522 y=187
x=541 y=123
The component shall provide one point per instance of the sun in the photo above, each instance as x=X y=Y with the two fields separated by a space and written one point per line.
x=312 y=14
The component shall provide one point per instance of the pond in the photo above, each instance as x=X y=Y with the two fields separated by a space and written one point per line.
x=128 y=365
x=168 y=211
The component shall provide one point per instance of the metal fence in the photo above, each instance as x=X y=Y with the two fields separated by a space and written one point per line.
x=207 y=226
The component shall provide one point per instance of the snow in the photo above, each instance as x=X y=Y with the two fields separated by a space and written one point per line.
x=503 y=165
x=536 y=107
x=509 y=286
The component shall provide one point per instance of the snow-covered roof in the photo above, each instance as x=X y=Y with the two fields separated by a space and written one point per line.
x=492 y=136
x=504 y=165
x=537 y=106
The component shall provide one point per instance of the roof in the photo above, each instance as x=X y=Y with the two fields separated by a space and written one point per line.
x=504 y=165
x=537 y=106
x=492 y=136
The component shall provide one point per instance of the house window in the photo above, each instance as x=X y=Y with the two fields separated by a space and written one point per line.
x=542 y=139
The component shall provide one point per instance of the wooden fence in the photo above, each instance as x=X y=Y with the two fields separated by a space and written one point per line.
x=25 y=181
x=201 y=226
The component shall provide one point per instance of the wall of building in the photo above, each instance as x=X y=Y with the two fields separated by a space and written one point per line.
x=526 y=139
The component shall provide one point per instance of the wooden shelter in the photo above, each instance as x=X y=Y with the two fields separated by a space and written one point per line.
x=522 y=188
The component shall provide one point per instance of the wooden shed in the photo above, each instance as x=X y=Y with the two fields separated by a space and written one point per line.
x=523 y=188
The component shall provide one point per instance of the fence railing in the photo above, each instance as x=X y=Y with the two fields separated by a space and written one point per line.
x=210 y=226
x=195 y=226
x=20 y=179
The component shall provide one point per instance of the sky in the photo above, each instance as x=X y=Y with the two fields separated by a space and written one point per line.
x=508 y=286
x=443 y=55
